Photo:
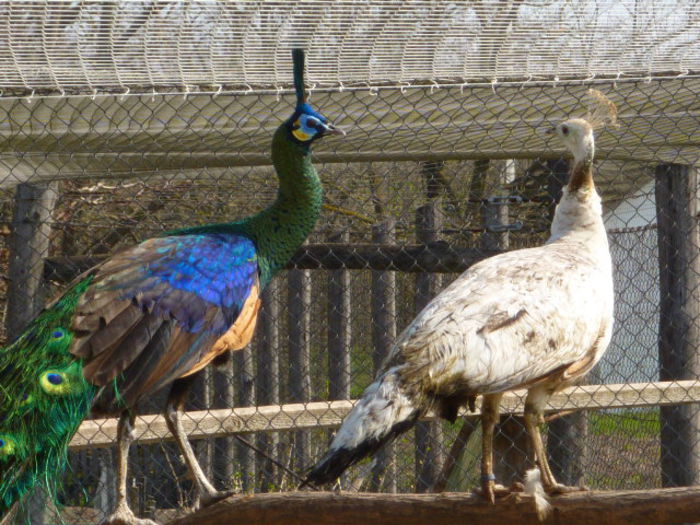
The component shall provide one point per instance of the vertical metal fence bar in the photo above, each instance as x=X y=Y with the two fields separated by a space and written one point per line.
x=268 y=380
x=428 y=451
x=384 y=472
x=679 y=332
x=299 y=316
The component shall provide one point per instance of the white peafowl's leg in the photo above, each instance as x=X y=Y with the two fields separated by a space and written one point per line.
x=123 y=515
x=206 y=492
x=489 y=418
x=534 y=417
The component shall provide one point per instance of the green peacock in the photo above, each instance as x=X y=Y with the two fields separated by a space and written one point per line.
x=151 y=316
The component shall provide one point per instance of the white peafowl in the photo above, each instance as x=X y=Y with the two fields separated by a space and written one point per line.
x=537 y=318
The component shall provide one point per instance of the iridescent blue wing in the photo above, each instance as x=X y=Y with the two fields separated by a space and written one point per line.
x=159 y=310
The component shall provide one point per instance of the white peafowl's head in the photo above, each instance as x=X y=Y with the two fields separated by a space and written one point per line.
x=577 y=133
x=577 y=136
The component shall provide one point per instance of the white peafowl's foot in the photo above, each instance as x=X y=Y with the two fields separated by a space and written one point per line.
x=210 y=497
x=556 y=489
x=123 y=515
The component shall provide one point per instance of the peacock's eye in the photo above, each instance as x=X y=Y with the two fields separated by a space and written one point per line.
x=311 y=122
x=565 y=130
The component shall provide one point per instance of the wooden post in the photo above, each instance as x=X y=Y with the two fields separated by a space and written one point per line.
x=679 y=322
x=383 y=337
x=29 y=245
x=243 y=363
x=510 y=439
x=299 y=316
x=429 y=443
x=223 y=397
x=339 y=329
x=200 y=399
x=268 y=379
x=566 y=435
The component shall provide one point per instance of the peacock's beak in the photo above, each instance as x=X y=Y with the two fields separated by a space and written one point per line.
x=550 y=131
x=333 y=130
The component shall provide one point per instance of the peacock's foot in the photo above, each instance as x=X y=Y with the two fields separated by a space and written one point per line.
x=209 y=498
x=557 y=489
x=123 y=515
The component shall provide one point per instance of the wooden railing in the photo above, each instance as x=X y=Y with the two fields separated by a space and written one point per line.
x=205 y=424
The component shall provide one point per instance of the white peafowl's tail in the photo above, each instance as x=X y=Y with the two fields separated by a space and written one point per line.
x=534 y=488
x=383 y=412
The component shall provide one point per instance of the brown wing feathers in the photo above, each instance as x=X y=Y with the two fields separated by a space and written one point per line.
x=144 y=346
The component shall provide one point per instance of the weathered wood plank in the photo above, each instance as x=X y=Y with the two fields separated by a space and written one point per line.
x=660 y=506
x=679 y=297
x=268 y=380
x=434 y=257
x=327 y=414
x=566 y=436
x=29 y=245
x=383 y=305
x=244 y=386
x=339 y=327
x=298 y=343
x=428 y=435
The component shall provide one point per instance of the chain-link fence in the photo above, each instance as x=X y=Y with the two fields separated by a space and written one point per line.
x=431 y=178
x=394 y=231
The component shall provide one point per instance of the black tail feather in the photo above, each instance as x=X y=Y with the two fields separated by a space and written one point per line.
x=336 y=461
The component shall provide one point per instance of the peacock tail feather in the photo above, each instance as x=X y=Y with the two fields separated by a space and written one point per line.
x=43 y=399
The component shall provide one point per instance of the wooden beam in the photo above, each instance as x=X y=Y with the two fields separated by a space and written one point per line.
x=660 y=506
x=437 y=257
x=204 y=424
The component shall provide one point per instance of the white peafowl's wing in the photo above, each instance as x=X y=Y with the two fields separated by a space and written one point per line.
x=508 y=321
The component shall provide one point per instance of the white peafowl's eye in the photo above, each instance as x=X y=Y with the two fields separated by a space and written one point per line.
x=565 y=130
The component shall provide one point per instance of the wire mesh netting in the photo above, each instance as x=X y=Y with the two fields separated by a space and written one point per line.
x=435 y=174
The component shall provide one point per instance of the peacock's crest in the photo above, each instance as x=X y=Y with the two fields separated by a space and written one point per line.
x=306 y=124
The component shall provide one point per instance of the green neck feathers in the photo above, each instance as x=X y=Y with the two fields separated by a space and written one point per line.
x=279 y=230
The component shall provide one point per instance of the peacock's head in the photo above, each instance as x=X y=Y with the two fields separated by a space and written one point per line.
x=307 y=125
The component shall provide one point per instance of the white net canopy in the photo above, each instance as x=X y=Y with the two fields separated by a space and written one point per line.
x=130 y=45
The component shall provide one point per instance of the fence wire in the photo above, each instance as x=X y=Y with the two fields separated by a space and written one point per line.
x=99 y=173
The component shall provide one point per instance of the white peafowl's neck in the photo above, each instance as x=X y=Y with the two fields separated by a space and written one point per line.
x=579 y=214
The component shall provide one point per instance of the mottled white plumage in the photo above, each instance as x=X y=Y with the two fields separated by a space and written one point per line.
x=536 y=318
x=519 y=316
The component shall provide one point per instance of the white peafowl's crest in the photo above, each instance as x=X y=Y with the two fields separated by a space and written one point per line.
x=603 y=112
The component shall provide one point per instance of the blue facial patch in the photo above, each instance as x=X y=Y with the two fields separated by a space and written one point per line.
x=305 y=122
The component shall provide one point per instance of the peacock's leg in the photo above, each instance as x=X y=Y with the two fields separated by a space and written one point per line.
x=534 y=417
x=206 y=492
x=123 y=515
x=489 y=418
